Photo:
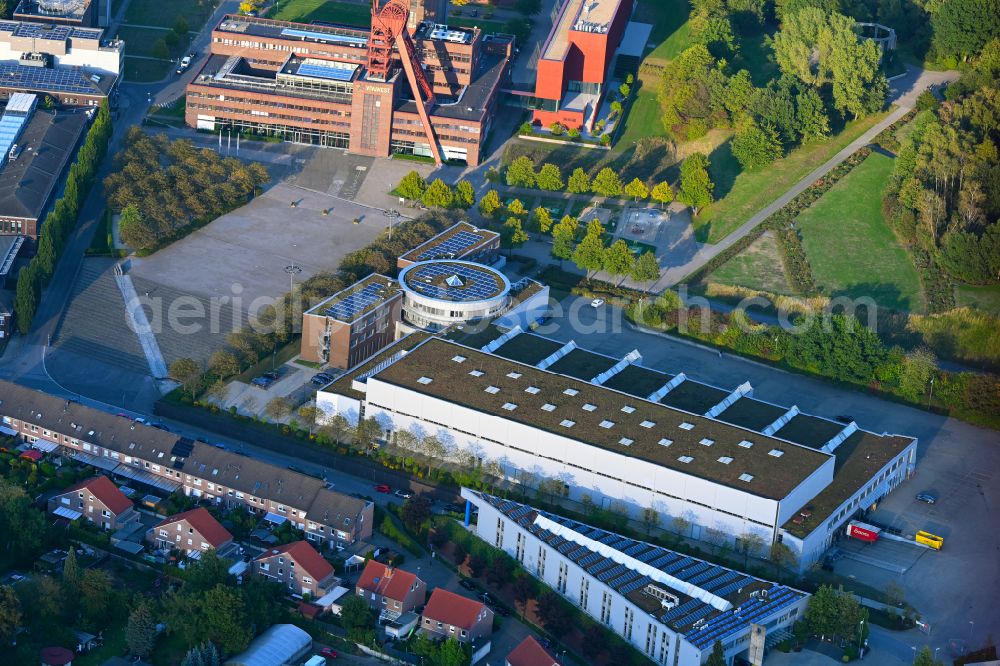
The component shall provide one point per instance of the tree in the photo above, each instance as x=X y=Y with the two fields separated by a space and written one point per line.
x=542 y=219
x=718 y=656
x=477 y=563
x=277 y=408
x=512 y=234
x=206 y=572
x=564 y=239
x=223 y=619
x=619 y=259
x=781 y=557
x=489 y=204
x=415 y=512
x=10 y=614
x=650 y=518
x=188 y=373
x=95 y=594
x=181 y=25
x=756 y=146
x=451 y=652
x=523 y=589
x=366 y=433
x=412 y=186
x=71 y=572
x=749 y=543
x=465 y=194
x=579 y=182
x=811 y=117
x=498 y=572
x=202 y=655
x=821 y=613
x=516 y=208
x=26 y=296
x=895 y=595
x=589 y=254
x=637 y=190
x=521 y=172
x=662 y=193
x=961 y=28
x=140 y=632
x=925 y=658
x=438 y=195
x=696 y=185
x=646 y=268
x=160 y=49
x=552 y=613
x=607 y=183
x=840 y=346
x=549 y=177
x=134 y=230
x=223 y=363
x=595 y=641
x=308 y=414
x=681 y=525
x=356 y=614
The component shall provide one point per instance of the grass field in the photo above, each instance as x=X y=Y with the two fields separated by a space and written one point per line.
x=643 y=117
x=670 y=27
x=140 y=41
x=757 y=267
x=851 y=249
x=986 y=298
x=157 y=12
x=306 y=11
x=740 y=195
x=141 y=70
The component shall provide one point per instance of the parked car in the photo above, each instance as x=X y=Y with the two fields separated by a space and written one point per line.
x=929 y=498
x=596 y=303
x=383 y=488
x=262 y=381
x=321 y=378
x=405 y=494
x=468 y=584
x=183 y=64
x=328 y=652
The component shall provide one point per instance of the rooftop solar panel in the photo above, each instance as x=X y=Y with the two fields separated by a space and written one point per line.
x=44 y=79
x=695 y=615
x=451 y=247
x=473 y=283
x=349 y=308
x=729 y=577
x=732 y=587
x=680 y=611
x=324 y=37
x=327 y=72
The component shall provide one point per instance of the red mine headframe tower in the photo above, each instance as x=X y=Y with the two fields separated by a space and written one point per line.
x=388 y=31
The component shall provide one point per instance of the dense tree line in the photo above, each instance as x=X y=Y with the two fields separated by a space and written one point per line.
x=944 y=195
x=61 y=220
x=169 y=185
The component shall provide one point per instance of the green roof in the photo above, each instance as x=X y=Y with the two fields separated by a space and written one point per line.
x=528 y=348
x=638 y=380
x=582 y=364
x=694 y=397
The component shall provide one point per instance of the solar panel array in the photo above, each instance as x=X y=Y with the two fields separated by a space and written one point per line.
x=349 y=308
x=477 y=283
x=43 y=79
x=41 y=31
x=325 y=37
x=452 y=246
x=332 y=72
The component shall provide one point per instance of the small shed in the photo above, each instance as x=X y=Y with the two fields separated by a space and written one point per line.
x=57 y=656
x=281 y=644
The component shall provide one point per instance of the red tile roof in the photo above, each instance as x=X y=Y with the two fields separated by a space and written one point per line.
x=204 y=523
x=305 y=557
x=106 y=491
x=392 y=583
x=453 y=609
x=530 y=653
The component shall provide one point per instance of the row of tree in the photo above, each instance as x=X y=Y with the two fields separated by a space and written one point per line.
x=164 y=187
x=521 y=172
x=61 y=220
x=944 y=194
x=437 y=193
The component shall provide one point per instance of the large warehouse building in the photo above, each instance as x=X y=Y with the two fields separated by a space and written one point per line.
x=671 y=607
x=431 y=90
x=622 y=434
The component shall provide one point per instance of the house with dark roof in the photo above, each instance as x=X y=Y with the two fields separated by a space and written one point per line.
x=297 y=566
x=530 y=652
x=449 y=615
x=191 y=532
x=97 y=500
x=389 y=590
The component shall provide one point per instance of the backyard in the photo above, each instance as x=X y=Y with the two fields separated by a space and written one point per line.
x=851 y=250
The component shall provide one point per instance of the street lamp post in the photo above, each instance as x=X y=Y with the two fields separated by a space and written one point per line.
x=861 y=635
x=914 y=648
x=392 y=214
x=292 y=271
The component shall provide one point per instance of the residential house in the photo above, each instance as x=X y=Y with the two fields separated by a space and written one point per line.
x=98 y=500
x=530 y=652
x=450 y=615
x=297 y=566
x=390 y=591
x=193 y=531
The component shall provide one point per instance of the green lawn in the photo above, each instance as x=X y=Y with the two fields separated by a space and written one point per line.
x=757 y=267
x=642 y=120
x=485 y=25
x=306 y=11
x=851 y=249
x=146 y=71
x=670 y=27
x=982 y=298
x=140 y=41
x=157 y=12
x=741 y=195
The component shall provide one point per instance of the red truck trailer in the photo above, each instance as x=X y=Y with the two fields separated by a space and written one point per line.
x=863 y=531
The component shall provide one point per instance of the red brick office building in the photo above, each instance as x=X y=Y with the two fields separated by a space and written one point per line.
x=313 y=83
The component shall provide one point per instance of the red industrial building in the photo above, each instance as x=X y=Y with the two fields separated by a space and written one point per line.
x=427 y=90
x=575 y=59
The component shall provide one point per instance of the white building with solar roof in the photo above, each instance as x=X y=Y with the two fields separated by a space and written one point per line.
x=671 y=607
x=443 y=292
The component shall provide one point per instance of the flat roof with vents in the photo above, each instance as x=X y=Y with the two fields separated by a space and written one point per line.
x=452 y=382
